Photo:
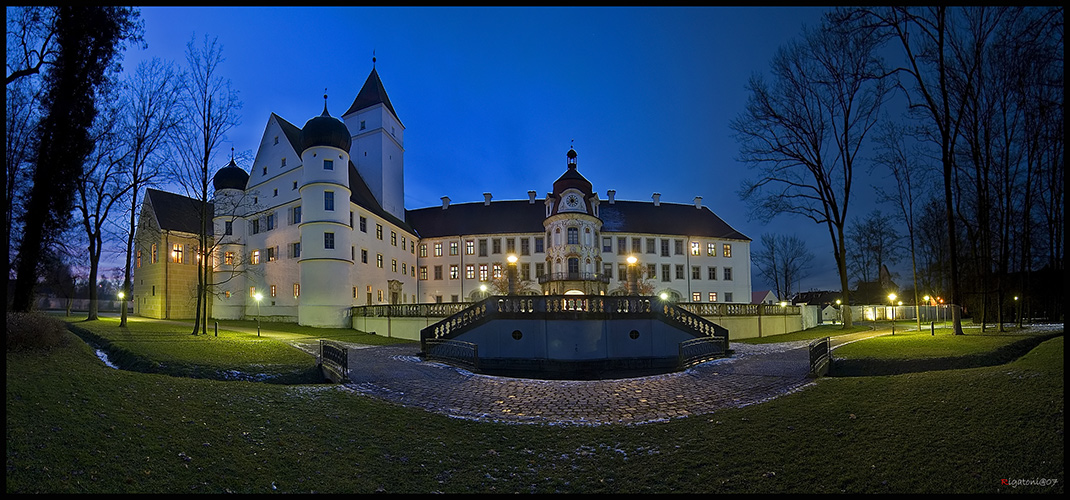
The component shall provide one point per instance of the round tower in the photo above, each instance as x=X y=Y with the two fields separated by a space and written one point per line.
x=228 y=264
x=573 y=259
x=326 y=234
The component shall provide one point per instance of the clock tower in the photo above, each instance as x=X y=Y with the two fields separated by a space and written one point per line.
x=573 y=259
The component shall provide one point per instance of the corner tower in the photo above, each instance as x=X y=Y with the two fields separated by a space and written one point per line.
x=325 y=225
x=378 y=144
x=573 y=259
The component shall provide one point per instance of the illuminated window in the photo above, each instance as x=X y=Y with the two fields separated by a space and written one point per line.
x=454 y=271
x=394 y=265
x=470 y=247
x=228 y=258
x=713 y=296
x=138 y=259
x=423 y=249
x=454 y=247
x=152 y=256
x=438 y=249
x=423 y=273
x=271 y=255
x=297 y=290
x=727 y=250
x=496 y=271
x=252 y=291
x=483 y=275
x=255 y=259
x=694 y=250
x=176 y=253
x=272 y=288
x=469 y=271
x=393 y=238
x=379 y=260
x=379 y=232
x=226 y=293
x=711 y=249
x=696 y=297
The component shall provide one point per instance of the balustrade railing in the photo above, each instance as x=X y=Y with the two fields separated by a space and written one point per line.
x=604 y=278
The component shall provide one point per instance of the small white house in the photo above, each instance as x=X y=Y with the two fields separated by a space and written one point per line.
x=763 y=297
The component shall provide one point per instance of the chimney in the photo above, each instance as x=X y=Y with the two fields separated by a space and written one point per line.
x=612 y=193
x=486 y=199
x=531 y=197
x=657 y=199
x=698 y=202
x=445 y=202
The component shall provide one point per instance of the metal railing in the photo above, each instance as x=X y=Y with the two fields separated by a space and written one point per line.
x=604 y=278
x=455 y=352
x=700 y=350
x=820 y=356
x=335 y=359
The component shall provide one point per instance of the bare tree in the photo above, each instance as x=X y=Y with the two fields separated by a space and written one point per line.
x=31 y=40
x=209 y=109
x=784 y=261
x=151 y=99
x=804 y=132
x=895 y=156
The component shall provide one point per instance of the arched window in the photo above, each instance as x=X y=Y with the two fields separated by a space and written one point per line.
x=557 y=237
x=587 y=237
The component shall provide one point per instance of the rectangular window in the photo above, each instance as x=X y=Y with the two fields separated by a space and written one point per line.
x=696 y=272
x=510 y=245
x=637 y=244
x=694 y=250
x=228 y=227
x=328 y=164
x=525 y=271
x=496 y=245
x=607 y=244
x=727 y=275
x=712 y=272
x=271 y=251
x=525 y=246
x=455 y=271
x=469 y=247
x=328 y=201
x=454 y=248
x=622 y=245
x=138 y=259
x=469 y=271
x=254 y=226
x=711 y=249
x=363 y=224
x=379 y=260
x=283 y=162
x=438 y=272
x=176 y=253
x=423 y=249
x=393 y=265
x=727 y=252
x=393 y=238
x=297 y=290
x=270 y=221
x=713 y=296
x=423 y=273
x=539 y=245
x=540 y=268
x=665 y=276
x=328 y=241
x=573 y=236
x=679 y=271
x=297 y=214
x=255 y=258
x=295 y=249
x=496 y=271
x=651 y=271
x=363 y=256
x=728 y=296
x=438 y=249
x=379 y=232
x=650 y=246
x=607 y=270
x=678 y=247
x=696 y=296
x=622 y=272
x=252 y=291
x=273 y=290
x=483 y=272
x=664 y=247
x=483 y=248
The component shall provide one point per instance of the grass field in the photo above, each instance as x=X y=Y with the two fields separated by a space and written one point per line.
x=75 y=425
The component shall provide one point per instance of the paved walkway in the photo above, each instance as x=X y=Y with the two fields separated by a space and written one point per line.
x=755 y=373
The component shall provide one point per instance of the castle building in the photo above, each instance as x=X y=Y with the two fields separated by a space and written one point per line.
x=317 y=226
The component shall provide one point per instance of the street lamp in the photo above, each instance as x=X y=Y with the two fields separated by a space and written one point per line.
x=483 y=290
x=839 y=310
x=891 y=299
x=511 y=273
x=258 y=297
x=633 y=286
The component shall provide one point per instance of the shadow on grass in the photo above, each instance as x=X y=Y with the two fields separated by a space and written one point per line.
x=126 y=360
x=868 y=367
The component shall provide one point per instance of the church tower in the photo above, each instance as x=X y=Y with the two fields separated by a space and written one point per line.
x=572 y=225
x=378 y=144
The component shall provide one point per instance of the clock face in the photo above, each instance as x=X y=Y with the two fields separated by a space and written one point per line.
x=572 y=201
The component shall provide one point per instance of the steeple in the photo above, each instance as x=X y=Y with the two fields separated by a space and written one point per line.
x=370 y=94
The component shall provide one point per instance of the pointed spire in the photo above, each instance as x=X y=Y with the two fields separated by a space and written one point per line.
x=325 y=113
x=373 y=58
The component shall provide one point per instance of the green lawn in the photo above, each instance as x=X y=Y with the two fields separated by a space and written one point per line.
x=77 y=426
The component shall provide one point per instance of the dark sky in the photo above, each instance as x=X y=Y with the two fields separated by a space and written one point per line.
x=492 y=98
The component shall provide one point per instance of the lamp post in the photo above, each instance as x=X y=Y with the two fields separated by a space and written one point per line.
x=483 y=291
x=511 y=273
x=633 y=286
x=891 y=299
x=258 y=297
x=122 y=308
x=839 y=310
x=1018 y=311
x=784 y=314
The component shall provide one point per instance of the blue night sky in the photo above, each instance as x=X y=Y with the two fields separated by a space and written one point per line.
x=492 y=98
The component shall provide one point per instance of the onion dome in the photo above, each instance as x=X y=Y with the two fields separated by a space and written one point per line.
x=325 y=130
x=230 y=177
